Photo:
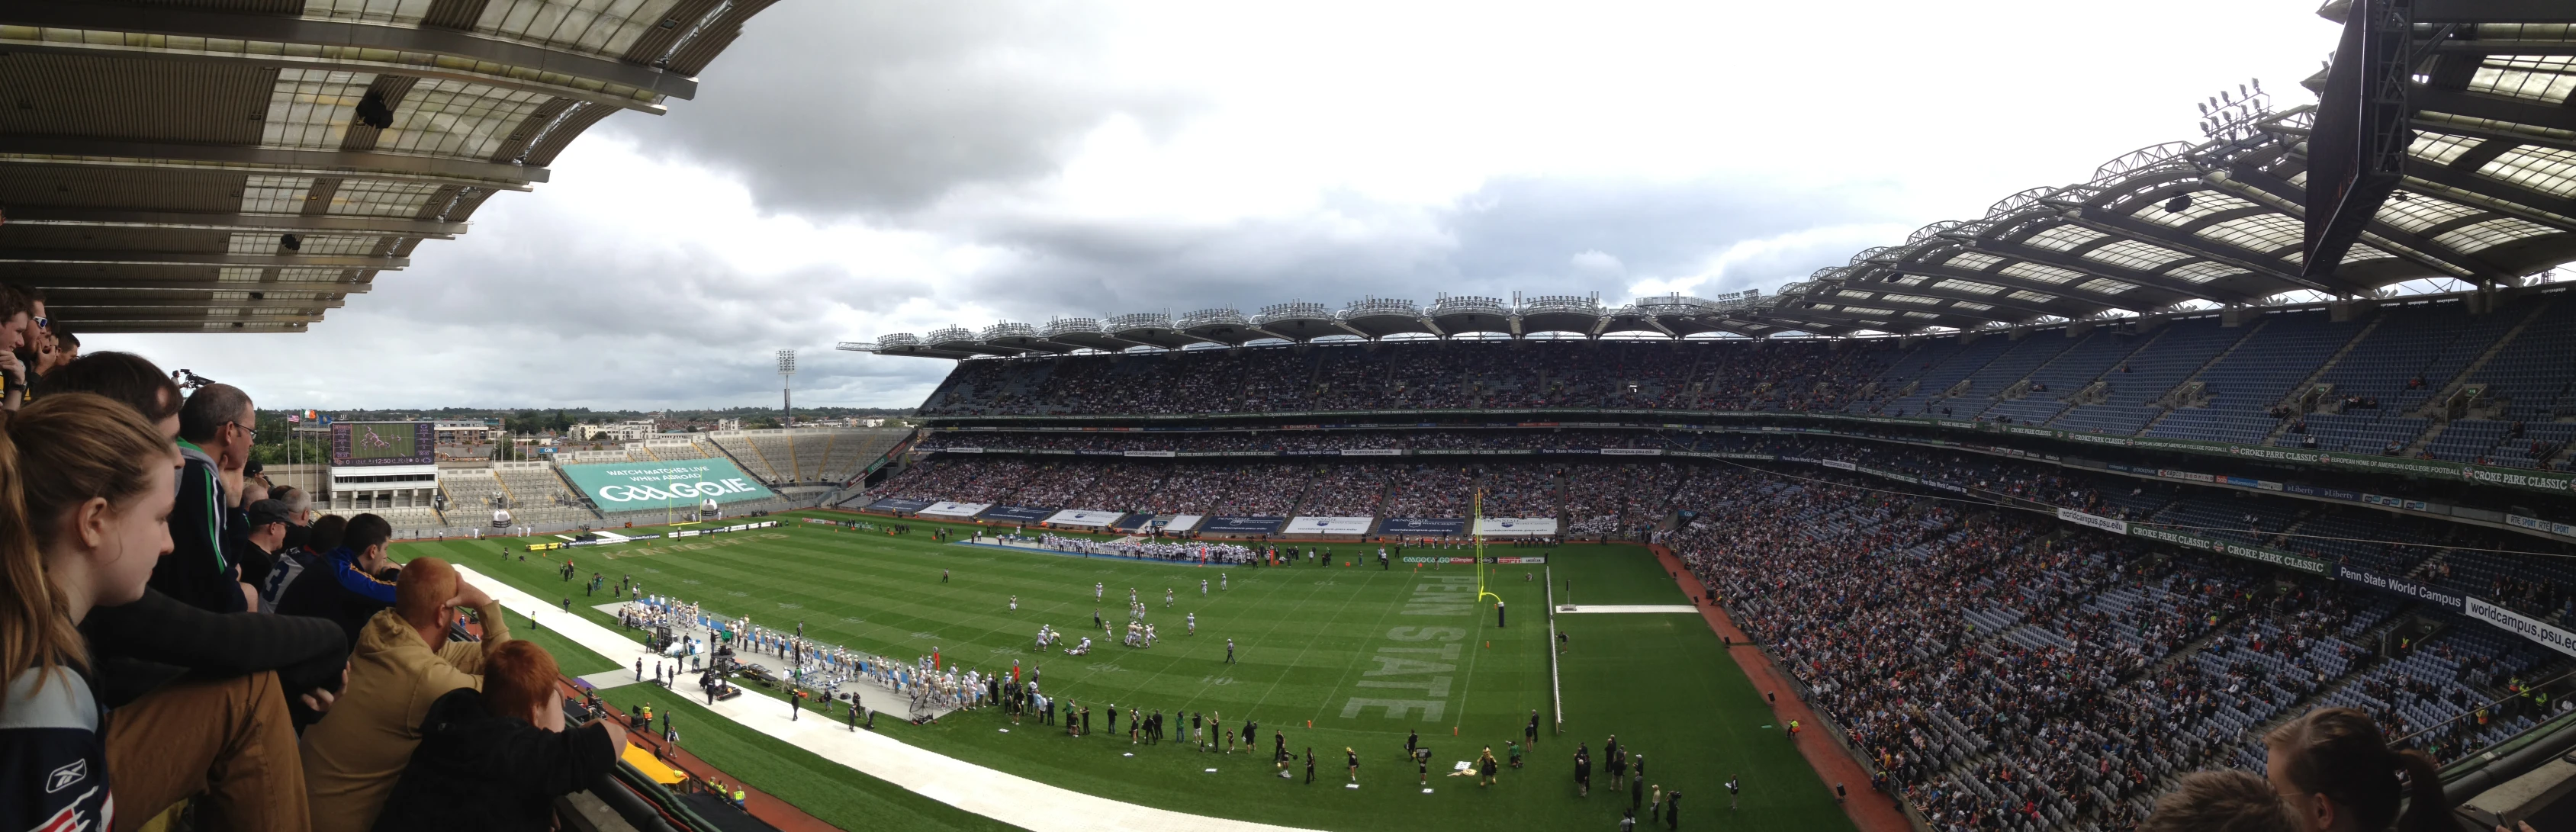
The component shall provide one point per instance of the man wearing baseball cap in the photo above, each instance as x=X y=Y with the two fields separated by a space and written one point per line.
x=267 y=549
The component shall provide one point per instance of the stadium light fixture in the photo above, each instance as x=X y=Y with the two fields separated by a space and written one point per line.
x=2178 y=204
x=786 y=397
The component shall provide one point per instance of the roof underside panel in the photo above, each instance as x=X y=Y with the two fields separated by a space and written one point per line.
x=204 y=165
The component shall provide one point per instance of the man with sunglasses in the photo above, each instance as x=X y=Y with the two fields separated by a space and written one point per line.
x=207 y=528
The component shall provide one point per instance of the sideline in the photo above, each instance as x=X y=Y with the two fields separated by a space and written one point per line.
x=1002 y=796
x=1870 y=810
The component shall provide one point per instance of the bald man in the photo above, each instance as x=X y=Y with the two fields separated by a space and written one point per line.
x=403 y=662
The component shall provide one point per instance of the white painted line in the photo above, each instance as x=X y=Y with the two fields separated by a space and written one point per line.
x=1629 y=608
x=1004 y=797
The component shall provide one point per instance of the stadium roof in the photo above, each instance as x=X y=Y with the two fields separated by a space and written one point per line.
x=2488 y=199
x=208 y=165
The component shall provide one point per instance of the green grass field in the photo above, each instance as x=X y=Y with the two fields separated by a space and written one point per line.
x=1362 y=654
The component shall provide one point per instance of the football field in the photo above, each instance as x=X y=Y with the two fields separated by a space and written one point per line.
x=1333 y=656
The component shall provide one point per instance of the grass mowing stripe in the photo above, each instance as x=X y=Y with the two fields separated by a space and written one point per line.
x=1310 y=644
x=871 y=592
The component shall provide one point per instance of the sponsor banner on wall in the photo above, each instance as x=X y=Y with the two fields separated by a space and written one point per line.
x=1242 y=525
x=1516 y=526
x=892 y=504
x=962 y=450
x=1328 y=525
x=1017 y=514
x=1152 y=454
x=1410 y=526
x=2548 y=636
x=1632 y=452
x=1836 y=463
x=1135 y=523
x=2539 y=525
x=2302 y=563
x=1372 y=452
x=1081 y=517
x=2094 y=520
x=948 y=509
x=2544 y=482
x=1183 y=522
x=627 y=486
x=2451 y=601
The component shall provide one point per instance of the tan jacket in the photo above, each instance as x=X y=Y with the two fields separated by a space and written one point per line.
x=354 y=755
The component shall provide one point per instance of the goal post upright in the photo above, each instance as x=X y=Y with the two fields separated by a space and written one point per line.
x=1476 y=516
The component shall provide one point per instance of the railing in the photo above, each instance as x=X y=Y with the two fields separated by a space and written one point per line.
x=1140 y=320
x=1006 y=329
x=1213 y=317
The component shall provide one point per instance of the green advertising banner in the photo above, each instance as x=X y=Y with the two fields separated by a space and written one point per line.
x=629 y=486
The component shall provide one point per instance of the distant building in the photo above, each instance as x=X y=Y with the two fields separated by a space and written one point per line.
x=633 y=430
x=468 y=431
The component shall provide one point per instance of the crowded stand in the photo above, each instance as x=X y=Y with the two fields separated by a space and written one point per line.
x=2006 y=674
x=263 y=662
x=1430 y=490
x=1626 y=499
x=1343 y=491
x=2421 y=379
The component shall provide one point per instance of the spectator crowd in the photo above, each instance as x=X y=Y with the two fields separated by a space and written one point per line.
x=177 y=631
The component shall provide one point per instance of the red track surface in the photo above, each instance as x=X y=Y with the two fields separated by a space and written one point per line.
x=1869 y=810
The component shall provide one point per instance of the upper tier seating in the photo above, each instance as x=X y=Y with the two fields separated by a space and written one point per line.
x=2379 y=373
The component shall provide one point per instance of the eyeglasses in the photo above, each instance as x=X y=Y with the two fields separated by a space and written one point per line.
x=43 y=323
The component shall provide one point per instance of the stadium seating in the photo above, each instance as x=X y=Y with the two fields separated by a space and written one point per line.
x=470 y=490
x=796 y=456
x=2009 y=681
x=538 y=494
x=2379 y=375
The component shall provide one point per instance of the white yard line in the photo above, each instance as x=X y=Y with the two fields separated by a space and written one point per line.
x=1628 y=608
x=1004 y=797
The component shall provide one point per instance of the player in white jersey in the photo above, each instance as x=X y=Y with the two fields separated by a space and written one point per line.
x=1202 y=587
x=1097 y=589
x=1194 y=623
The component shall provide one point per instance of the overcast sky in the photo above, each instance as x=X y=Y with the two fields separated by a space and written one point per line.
x=852 y=168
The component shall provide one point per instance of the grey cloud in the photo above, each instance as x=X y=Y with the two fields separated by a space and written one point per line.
x=1513 y=235
x=882 y=107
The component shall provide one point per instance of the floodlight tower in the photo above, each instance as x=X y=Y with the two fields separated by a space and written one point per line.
x=786 y=399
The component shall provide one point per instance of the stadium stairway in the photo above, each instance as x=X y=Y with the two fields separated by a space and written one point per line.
x=2298 y=391
x=2064 y=375
x=2167 y=400
x=2437 y=406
